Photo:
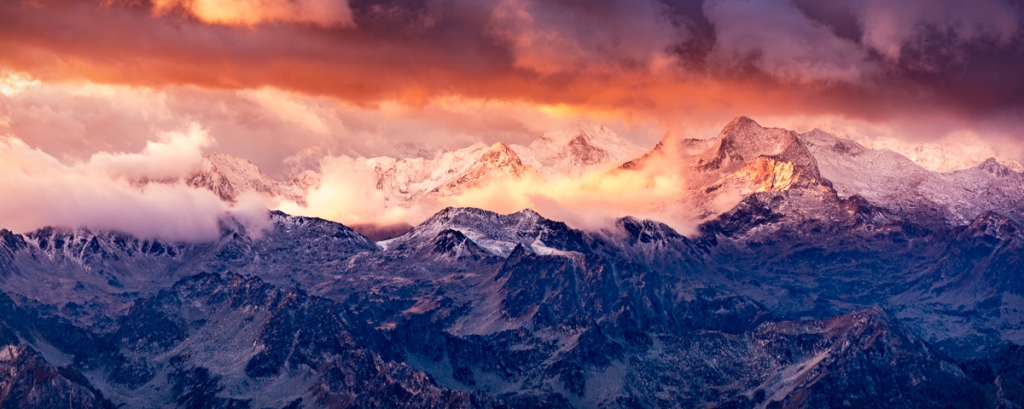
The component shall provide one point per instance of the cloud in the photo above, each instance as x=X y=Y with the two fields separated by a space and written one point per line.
x=74 y=120
x=348 y=194
x=177 y=154
x=890 y=26
x=14 y=83
x=777 y=38
x=553 y=37
x=667 y=60
x=325 y=13
x=288 y=108
x=102 y=193
x=269 y=91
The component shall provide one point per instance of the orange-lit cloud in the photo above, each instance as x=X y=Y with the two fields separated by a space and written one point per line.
x=325 y=13
x=267 y=125
x=325 y=134
x=677 y=63
x=286 y=83
x=347 y=193
x=550 y=38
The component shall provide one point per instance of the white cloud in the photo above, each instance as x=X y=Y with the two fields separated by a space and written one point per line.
x=38 y=191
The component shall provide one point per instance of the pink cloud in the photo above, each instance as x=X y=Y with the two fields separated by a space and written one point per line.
x=103 y=194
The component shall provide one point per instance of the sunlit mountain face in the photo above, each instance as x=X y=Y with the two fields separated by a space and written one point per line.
x=511 y=204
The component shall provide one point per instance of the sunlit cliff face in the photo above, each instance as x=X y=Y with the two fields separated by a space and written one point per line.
x=91 y=89
x=770 y=175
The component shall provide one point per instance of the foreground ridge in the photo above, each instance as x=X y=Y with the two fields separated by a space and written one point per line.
x=568 y=317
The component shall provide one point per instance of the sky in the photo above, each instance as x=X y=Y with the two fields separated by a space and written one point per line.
x=87 y=84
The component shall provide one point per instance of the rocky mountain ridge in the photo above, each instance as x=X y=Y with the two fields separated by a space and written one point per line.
x=476 y=309
x=229 y=177
x=819 y=288
x=714 y=174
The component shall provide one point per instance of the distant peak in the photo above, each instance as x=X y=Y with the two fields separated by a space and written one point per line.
x=586 y=131
x=223 y=163
x=528 y=213
x=499 y=146
x=501 y=154
x=741 y=123
x=748 y=139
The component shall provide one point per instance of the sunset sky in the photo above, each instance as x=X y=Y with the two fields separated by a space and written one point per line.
x=144 y=87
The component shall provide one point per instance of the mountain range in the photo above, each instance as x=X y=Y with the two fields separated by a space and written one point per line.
x=822 y=274
x=715 y=174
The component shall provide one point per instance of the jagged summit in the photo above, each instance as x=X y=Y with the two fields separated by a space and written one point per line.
x=570 y=152
x=747 y=139
x=739 y=143
x=717 y=173
x=498 y=161
x=499 y=154
x=497 y=233
x=713 y=174
x=574 y=150
x=822 y=313
x=229 y=177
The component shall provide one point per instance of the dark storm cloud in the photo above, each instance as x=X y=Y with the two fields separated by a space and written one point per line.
x=703 y=60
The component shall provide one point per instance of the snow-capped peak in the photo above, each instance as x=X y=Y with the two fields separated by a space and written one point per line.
x=497 y=161
x=567 y=152
x=500 y=155
x=942 y=156
x=895 y=182
x=748 y=139
x=229 y=177
x=578 y=148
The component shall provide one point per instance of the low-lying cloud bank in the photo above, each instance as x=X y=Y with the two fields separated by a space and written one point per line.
x=348 y=193
x=108 y=192
x=80 y=154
